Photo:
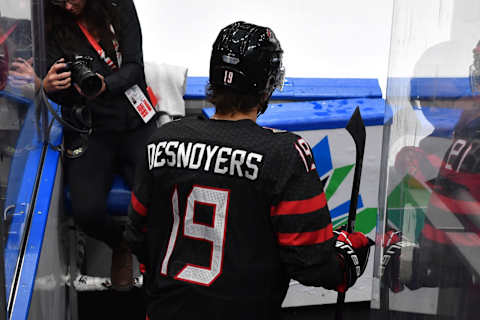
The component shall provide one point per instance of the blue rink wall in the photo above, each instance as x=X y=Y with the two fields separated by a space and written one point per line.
x=316 y=108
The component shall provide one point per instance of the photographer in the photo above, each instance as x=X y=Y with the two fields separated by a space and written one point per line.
x=97 y=76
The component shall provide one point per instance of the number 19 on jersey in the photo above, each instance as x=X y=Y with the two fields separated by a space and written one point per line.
x=218 y=199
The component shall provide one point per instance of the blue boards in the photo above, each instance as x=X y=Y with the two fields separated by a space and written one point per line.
x=303 y=89
x=316 y=115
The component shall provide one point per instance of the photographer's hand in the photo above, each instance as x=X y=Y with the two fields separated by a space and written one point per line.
x=22 y=72
x=55 y=81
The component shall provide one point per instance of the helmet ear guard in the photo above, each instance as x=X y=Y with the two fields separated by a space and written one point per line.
x=247 y=59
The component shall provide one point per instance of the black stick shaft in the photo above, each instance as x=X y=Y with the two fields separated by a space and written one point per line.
x=356 y=128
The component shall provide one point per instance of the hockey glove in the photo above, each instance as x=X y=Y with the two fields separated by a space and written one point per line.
x=353 y=250
x=393 y=244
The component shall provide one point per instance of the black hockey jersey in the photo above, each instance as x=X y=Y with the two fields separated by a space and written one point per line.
x=455 y=196
x=223 y=215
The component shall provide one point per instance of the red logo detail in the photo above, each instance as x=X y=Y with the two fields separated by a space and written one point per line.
x=141 y=109
x=147 y=104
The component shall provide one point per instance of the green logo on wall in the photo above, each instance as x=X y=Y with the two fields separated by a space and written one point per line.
x=335 y=177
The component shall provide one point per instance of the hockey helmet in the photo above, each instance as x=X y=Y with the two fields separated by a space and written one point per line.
x=247 y=58
x=475 y=71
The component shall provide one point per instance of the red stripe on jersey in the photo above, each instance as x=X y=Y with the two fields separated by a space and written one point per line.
x=306 y=238
x=300 y=206
x=467 y=239
x=138 y=206
x=454 y=205
x=434 y=235
x=471 y=181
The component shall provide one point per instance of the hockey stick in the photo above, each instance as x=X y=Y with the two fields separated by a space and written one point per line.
x=356 y=128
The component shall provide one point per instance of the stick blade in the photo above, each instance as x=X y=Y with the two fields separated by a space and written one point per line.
x=356 y=128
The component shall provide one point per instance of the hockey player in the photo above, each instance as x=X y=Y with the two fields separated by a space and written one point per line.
x=226 y=212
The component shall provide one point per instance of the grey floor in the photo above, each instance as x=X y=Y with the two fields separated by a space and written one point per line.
x=130 y=305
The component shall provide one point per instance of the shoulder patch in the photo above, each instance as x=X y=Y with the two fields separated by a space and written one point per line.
x=306 y=154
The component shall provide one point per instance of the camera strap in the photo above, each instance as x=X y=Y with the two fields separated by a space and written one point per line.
x=44 y=100
x=100 y=50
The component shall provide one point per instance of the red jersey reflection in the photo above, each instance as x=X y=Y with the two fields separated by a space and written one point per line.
x=455 y=193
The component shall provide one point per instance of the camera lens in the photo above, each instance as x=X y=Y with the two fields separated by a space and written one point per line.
x=82 y=74
x=90 y=85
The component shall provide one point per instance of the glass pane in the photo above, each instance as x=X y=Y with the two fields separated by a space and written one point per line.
x=427 y=262
x=20 y=145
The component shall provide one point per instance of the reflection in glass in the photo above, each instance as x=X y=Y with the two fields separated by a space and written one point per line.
x=20 y=145
x=428 y=256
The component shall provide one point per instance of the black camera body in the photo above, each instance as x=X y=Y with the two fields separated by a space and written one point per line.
x=82 y=74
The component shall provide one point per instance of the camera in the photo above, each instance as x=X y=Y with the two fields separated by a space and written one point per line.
x=82 y=74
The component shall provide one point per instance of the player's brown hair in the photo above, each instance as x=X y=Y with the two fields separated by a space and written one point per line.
x=227 y=101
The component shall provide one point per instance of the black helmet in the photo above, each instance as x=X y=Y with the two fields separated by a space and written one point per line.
x=475 y=70
x=247 y=58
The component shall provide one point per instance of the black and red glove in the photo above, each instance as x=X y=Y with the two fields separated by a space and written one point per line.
x=393 y=244
x=391 y=260
x=353 y=250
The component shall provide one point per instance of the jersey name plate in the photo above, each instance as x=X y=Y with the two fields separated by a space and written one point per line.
x=206 y=157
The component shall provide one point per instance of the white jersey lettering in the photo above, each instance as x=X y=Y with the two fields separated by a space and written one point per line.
x=210 y=153
x=253 y=166
x=197 y=155
x=200 y=156
x=221 y=160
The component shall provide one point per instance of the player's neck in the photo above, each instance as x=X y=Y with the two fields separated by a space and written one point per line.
x=235 y=116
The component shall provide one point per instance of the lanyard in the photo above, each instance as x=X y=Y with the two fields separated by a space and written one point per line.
x=100 y=50
x=5 y=36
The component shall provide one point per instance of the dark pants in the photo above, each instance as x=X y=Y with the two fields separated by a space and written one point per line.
x=90 y=178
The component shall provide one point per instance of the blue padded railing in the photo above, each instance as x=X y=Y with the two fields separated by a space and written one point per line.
x=303 y=89
x=440 y=88
x=429 y=91
x=316 y=115
x=430 y=88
